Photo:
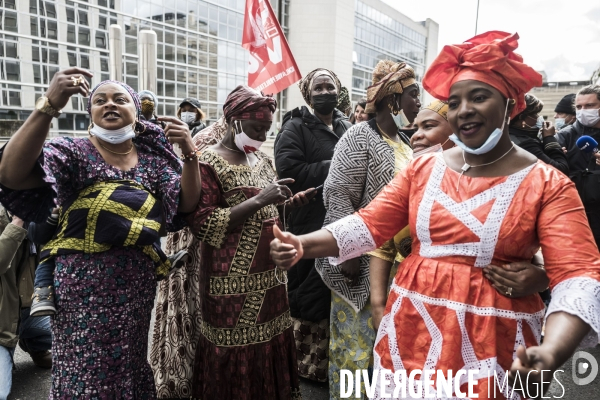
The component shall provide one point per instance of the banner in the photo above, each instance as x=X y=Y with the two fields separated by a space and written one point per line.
x=272 y=67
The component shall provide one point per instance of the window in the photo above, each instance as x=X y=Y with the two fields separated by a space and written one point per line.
x=50 y=10
x=84 y=36
x=65 y=122
x=11 y=50
x=85 y=62
x=9 y=4
x=72 y=59
x=70 y=15
x=13 y=71
x=82 y=121
x=104 y=64
x=101 y=40
x=102 y=23
x=83 y=17
x=71 y=34
x=10 y=22
x=52 y=30
x=53 y=57
x=37 y=76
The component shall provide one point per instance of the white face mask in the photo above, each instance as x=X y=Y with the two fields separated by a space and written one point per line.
x=113 y=136
x=589 y=117
x=489 y=144
x=244 y=142
x=559 y=123
x=188 y=117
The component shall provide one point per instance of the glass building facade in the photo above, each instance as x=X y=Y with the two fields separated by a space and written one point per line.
x=378 y=36
x=199 y=50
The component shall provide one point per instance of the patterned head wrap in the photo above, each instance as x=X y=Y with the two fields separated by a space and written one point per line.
x=440 y=107
x=343 y=100
x=388 y=78
x=151 y=94
x=134 y=96
x=306 y=83
x=245 y=103
x=487 y=58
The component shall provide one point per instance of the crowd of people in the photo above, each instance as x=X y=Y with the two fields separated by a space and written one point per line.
x=386 y=236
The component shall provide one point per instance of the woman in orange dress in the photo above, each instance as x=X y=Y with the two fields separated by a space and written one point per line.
x=485 y=201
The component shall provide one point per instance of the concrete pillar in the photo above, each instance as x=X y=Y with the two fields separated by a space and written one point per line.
x=147 y=44
x=115 y=55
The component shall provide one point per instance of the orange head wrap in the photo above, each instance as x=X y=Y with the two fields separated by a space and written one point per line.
x=487 y=58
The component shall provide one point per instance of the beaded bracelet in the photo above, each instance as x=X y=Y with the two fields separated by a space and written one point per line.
x=192 y=155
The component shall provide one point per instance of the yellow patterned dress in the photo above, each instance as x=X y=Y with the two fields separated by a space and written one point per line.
x=352 y=333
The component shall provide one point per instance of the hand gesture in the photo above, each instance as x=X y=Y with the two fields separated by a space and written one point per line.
x=17 y=221
x=548 y=129
x=537 y=361
x=178 y=132
x=301 y=199
x=286 y=249
x=517 y=279
x=351 y=271
x=275 y=193
x=67 y=83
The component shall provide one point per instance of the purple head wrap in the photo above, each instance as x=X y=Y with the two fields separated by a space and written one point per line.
x=134 y=96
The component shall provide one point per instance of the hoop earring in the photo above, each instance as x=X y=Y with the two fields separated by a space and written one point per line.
x=90 y=128
x=136 y=124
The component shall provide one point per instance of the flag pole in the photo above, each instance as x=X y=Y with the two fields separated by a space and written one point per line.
x=477 y=18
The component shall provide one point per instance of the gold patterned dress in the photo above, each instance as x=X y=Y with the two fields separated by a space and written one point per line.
x=246 y=348
x=352 y=333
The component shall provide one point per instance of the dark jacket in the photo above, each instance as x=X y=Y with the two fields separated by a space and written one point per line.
x=196 y=127
x=548 y=150
x=567 y=137
x=580 y=162
x=303 y=151
x=42 y=232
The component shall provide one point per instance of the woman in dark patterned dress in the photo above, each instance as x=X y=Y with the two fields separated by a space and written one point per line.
x=246 y=348
x=104 y=288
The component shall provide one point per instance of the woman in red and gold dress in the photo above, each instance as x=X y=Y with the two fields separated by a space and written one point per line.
x=483 y=202
x=246 y=347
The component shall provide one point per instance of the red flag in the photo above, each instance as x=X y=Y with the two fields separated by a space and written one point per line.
x=272 y=67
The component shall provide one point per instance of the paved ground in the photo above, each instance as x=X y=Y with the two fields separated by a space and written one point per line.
x=32 y=383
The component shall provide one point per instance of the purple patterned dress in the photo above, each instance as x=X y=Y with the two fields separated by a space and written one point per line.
x=103 y=300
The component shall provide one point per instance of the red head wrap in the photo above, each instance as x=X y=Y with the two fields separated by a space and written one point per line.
x=245 y=103
x=487 y=58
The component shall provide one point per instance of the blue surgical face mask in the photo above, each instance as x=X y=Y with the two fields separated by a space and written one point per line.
x=540 y=122
x=489 y=144
x=559 y=123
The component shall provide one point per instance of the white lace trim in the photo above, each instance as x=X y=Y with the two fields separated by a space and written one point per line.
x=353 y=238
x=580 y=297
x=486 y=367
x=487 y=232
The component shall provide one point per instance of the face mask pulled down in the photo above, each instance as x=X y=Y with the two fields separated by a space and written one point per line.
x=244 y=142
x=489 y=144
x=115 y=136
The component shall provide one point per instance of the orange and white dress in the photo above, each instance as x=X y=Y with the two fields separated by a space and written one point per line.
x=442 y=313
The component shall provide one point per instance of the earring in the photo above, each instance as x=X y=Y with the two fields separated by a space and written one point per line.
x=512 y=101
x=90 y=128
x=136 y=124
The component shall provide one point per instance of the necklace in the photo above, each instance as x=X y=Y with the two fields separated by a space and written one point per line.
x=230 y=149
x=116 y=152
x=385 y=134
x=468 y=166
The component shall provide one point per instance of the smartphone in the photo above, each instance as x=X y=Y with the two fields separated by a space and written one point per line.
x=320 y=187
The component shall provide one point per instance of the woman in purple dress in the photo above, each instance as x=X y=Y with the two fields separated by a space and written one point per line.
x=117 y=190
